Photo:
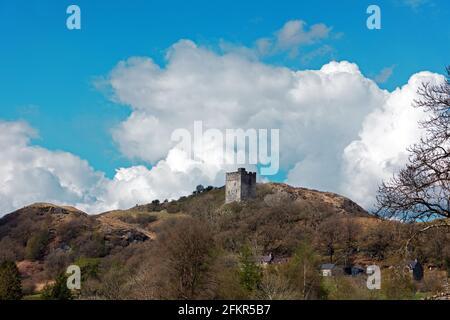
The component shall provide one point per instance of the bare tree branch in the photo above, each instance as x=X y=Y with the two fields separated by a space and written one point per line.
x=421 y=190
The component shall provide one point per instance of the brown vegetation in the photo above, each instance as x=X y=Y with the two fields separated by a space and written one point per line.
x=194 y=251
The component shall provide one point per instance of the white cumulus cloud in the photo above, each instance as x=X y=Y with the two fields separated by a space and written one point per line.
x=338 y=130
x=33 y=174
x=380 y=150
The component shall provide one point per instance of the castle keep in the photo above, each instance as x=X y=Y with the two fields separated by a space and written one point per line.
x=240 y=186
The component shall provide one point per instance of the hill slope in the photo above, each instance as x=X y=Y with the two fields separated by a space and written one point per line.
x=44 y=238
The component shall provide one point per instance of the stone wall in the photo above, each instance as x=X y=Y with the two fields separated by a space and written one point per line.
x=240 y=185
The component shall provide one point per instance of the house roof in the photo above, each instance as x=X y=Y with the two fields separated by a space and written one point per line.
x=327 y=266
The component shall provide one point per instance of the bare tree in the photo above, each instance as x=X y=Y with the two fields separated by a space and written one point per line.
x=274 y=286
x=180 y=263
x=330 y=235
x=421 y=190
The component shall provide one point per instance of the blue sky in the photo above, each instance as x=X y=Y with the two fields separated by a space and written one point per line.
x=47 y=72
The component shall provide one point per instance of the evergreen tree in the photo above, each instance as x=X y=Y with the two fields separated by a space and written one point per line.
x=250 y=273
x=58 y=290
x=10 y=283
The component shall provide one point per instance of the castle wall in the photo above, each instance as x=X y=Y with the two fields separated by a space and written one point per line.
x=233 y=187
x=240 y=185
x=248 y=186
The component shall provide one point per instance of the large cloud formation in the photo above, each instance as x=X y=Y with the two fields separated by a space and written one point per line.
x=33 y=174
x=338 y=130
x=386 y=132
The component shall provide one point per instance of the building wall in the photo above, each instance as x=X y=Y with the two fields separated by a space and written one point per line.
x=233 y=187
x=240 y=185
x=248 y=185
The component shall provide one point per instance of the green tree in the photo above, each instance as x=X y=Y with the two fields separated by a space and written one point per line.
x=250 y=273
x=58 y=290
x=89 y=267
x=36 y=245
x=10 y=284
x=302 y=271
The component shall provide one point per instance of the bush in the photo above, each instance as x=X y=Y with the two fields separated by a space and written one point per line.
x=433 y=282
x=348 y=288
x=155 y=206
x=71 y=230
x=92 y=245
x=141 y=219
x=89 y=267
x=397 y=285
x=173 y=208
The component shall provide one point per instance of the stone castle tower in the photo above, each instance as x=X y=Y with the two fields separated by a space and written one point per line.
x=240 y=185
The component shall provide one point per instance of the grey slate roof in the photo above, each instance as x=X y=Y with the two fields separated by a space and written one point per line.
x=327 y=266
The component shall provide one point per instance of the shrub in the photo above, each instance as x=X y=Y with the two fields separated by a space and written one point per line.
x=348 y=288
x=432 y=282
x=141 y=219
x=92 y=246
x=397 y=285
x=89 y=267
x=173 y=208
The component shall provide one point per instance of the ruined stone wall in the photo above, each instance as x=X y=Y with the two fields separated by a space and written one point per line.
x=233 y=187
x=248 y=185
x=240 y=185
